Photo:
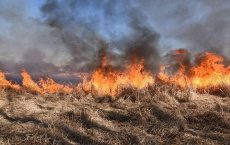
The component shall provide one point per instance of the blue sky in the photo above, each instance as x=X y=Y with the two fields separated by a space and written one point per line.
x=34 y=8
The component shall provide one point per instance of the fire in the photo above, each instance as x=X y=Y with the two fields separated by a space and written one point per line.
x=209 y=72
x=45 y=86
x=179 y=78
x=137 y=76
x=29 y=84
x=108 y=81
x=5 y=84
x=49 y=86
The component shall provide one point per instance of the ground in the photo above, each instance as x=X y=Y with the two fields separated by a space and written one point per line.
x=159 y=115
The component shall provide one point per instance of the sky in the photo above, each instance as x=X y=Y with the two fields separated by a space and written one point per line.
x=34 y=8
x=38 y=29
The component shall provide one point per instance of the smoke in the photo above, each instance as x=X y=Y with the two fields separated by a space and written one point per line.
x=68 y=35
x=78 y=38
x=209 y=30
x=85 y=41
x=26 y=42
x=143 y=45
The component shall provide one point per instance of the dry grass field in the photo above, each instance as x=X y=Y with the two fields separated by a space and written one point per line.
x=160 y=114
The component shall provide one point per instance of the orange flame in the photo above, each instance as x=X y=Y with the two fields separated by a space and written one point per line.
x=4 y=84
x=108 y=81
x=210 y=72
x=29 y=84
x=49 y=86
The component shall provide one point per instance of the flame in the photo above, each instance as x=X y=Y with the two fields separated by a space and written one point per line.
x=108 y=81
x=136 y=75
x=49 y=86
x=181 y=51
x=45 y=86
x=210 y=72
x=4 y=84
x=29 y=84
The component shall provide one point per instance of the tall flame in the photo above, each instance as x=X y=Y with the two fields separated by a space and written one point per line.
x=210 y=72
x=108 y=81
x=29 y=84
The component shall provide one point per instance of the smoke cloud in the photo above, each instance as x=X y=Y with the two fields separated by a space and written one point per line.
x=200 y=25
x=68 y=35
x=27 y=42
x=84 y=43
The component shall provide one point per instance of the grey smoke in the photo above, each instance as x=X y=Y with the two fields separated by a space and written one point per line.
x=84 y=43
x=144 y=45
x=23 y=38
x=208 y=31
x=70 y=33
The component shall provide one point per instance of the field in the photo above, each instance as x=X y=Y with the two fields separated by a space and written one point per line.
x=161 y=114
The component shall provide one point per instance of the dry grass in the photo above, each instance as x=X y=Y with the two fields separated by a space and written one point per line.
x=160 y=114
x=221 y=90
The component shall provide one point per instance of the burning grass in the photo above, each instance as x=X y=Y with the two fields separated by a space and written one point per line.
x=207 y=75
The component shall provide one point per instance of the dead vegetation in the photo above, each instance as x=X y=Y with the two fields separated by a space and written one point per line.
x=160 y=114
